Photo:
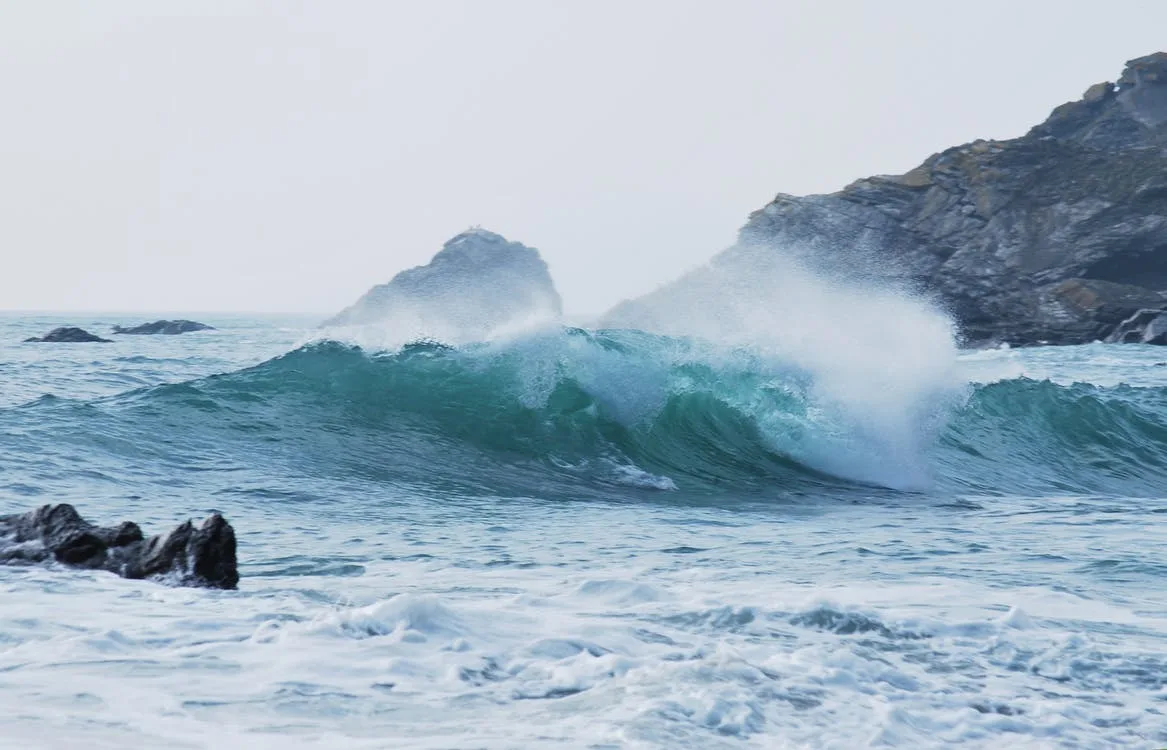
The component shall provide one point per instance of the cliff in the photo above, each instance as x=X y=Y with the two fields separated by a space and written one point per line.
x=1056 y=236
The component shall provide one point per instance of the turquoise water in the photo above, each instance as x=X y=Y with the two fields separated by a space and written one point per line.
x=575 y=538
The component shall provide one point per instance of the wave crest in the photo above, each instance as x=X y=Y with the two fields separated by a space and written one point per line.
x=621 y=407
x=624 y=409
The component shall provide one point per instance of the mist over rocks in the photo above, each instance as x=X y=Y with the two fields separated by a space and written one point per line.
x=479 y=282
x=1053 y=237
x=200 y=557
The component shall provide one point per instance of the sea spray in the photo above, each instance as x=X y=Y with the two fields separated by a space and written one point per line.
x=600 y=415
x=409 y=323
x=477 y=287
x=877 y=361
x=571 y=409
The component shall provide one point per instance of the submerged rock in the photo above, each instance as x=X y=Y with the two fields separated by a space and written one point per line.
x=477 y=283
x=1056 y=236
x=164 y=327
x=203 y=556
x=67 y=336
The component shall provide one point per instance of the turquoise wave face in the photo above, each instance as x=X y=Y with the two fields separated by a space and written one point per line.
x=1027 y=435
x=625 y=410
x=586 y=411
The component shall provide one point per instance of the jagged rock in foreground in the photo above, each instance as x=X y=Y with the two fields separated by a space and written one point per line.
x=203 y=556
x=477 y=283
x=164 y=327
x=1056 y=236
x=1144 y=327
x=67 y=336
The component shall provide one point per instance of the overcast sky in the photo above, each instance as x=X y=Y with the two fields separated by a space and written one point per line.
x=284 y=156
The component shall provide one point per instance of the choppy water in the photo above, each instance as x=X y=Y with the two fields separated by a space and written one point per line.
x=587 y=539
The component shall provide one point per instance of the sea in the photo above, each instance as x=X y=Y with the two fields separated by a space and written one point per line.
x=571 y=537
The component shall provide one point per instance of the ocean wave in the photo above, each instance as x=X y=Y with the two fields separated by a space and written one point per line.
x=1029 y=435
x=629 y=410
x=622 y=408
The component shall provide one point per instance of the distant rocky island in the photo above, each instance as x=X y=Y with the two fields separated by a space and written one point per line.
x=74 y=335
x=1057 y=237
x=477 y=283
x=164 y=327
x=67 y=335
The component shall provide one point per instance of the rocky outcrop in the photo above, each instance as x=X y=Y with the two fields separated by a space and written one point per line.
x=1144 y=327
x=1057 y=236
x=478 y=283
x=67 y=336
x=189 y=556
x=164 y=327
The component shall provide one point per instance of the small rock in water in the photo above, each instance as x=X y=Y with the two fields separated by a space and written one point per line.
x=67 y=335
x=203 y=556
x=165 y=327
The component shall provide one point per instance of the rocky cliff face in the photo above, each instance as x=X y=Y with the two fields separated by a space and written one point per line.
x=1056 y=236
x=478 y=283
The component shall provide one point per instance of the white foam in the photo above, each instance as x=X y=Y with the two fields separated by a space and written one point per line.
x=1103 y=365
x=674 y=632
x=880 y=360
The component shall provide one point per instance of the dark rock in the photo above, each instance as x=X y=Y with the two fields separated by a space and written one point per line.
x=1144 y=327
x=477 y=283
x=165 y=327
x=1056 y=236
x=985 y=707
x=203 y=556
x=68 y=336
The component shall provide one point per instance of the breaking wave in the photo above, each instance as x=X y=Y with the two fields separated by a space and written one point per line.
x=630 y=411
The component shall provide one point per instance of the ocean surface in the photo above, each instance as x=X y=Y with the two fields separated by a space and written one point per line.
x=589 y=539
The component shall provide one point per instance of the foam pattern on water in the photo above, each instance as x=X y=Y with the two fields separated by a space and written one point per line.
x=522 y=628
x=572 y=581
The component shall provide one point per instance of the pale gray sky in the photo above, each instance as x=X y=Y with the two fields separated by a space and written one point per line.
x=285 y=156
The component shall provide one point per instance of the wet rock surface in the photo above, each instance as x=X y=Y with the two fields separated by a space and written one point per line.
x=1144 y=327
x=202 y=556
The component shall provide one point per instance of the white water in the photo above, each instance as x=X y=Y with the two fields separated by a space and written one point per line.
x=511 y=625
x=376 y=615
x=881 y=360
